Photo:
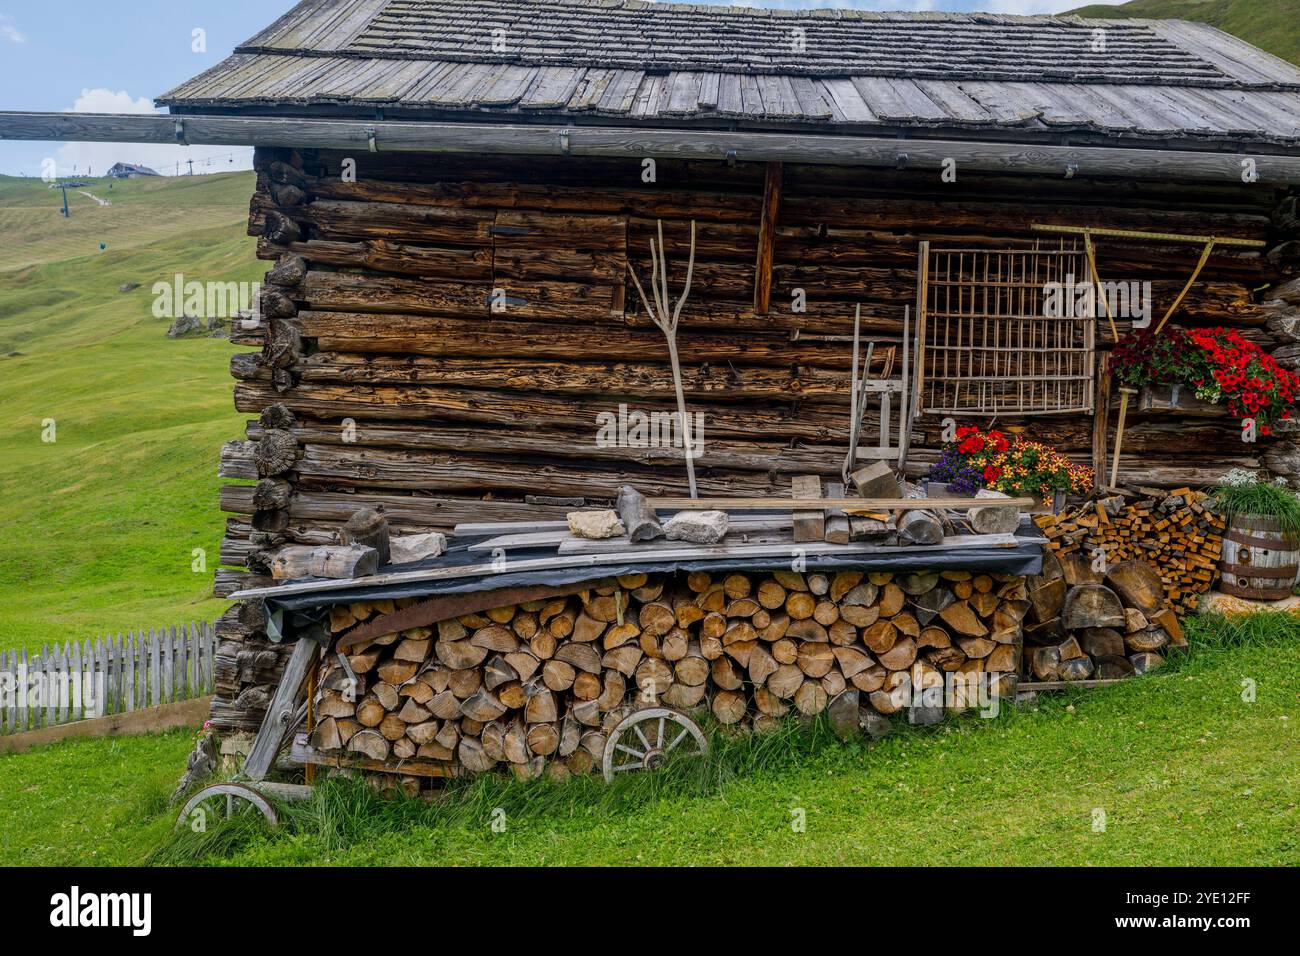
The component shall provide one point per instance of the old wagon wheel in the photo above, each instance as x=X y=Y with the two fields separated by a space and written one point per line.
x=643 y=740
x=224 y=800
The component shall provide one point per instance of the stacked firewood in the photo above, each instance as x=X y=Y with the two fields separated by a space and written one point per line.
x=545 y=681
x=1084 y=623
x=1176 y=533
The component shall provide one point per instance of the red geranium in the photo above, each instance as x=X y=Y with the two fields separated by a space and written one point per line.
x=1222 y=366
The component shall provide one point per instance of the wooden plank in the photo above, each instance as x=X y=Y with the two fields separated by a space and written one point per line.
x=182 y=662
x=810 y=524
x=50 y=674
x=188 y=713
x=622 y=546
x=561 y=535
x=593 y=140
x=155 y=669
x=767 y=237
x=474 y=528
x=6 y=703
x=128 y=673
x=851 y=505
x=23 y=679
x=62 y=688
x=77 y=688
x=119 y=675
x=103 y=702
x=210 y=632
x=280 y=713
x=168 y=637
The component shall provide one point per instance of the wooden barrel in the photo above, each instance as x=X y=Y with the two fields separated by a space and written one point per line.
x=1259 y=561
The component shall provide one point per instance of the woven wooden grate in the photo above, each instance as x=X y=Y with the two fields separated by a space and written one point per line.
x=994 y=338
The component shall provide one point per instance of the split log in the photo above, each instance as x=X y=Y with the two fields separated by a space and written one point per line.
x=367 y=529
x=1092 y=605
x=638 y=517
x=919 y=526
x=302 y=561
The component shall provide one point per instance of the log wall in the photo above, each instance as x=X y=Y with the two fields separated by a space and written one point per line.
x=386 y=377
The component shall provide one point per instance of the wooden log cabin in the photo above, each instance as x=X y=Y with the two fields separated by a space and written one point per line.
x=451 y=324
x=456 y=194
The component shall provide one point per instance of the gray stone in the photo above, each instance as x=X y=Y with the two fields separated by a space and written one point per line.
x=595 y=524
x=697 y=527
x=184 y=326
x=416 y=547
x=128 y=286
x=992 y=519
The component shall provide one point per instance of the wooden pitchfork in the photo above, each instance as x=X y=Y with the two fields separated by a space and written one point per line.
x=665 y=316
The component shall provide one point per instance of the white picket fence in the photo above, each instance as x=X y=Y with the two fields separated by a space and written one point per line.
x=107 y=675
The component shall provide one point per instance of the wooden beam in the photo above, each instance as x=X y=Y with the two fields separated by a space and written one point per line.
x=850 y=505
x=1101 y=417
x=441 y=607
x=1136 y=162
x=280 y=714
x=767 y=237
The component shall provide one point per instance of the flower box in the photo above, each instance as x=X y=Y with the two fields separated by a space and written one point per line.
x=1177 y=398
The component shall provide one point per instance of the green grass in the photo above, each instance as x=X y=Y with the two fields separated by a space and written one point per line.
x=87 y=802
x=100 y=525
x=1185 y=769
x=1272 y=25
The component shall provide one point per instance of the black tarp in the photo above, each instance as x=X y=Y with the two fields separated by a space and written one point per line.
x=1025 y=558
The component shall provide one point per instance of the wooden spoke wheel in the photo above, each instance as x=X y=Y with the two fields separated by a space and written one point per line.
x=643 y=740
x=223 y=801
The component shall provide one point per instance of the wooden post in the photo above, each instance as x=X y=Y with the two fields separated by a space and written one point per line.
x=767 y=238
x=1100 y=418
x=1124 y=394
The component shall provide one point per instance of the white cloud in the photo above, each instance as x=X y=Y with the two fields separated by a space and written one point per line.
x=77 y=158
x=7 y=29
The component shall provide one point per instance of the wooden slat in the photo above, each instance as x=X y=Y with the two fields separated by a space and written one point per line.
x=280 y=712
x=128 y=673
x=155 y=669
x=851 y=505
x=767 y=237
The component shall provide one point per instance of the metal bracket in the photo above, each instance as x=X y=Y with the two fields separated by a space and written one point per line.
x=371 y=140
x=179 y=129
x=564 y=141
x=900 y=161
x=731 y=157
x=1071 y=169
x=347 y=668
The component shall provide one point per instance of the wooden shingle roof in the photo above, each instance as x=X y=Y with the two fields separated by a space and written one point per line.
x=629 y=61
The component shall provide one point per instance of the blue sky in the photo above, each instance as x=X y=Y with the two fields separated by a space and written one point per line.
x=96 y=56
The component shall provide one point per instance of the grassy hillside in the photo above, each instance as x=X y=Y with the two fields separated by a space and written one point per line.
x=1272 y=25
x=1185 y=771
x=100 y=524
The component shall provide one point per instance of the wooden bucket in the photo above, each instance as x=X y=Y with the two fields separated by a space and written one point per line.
x=1259 y=561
